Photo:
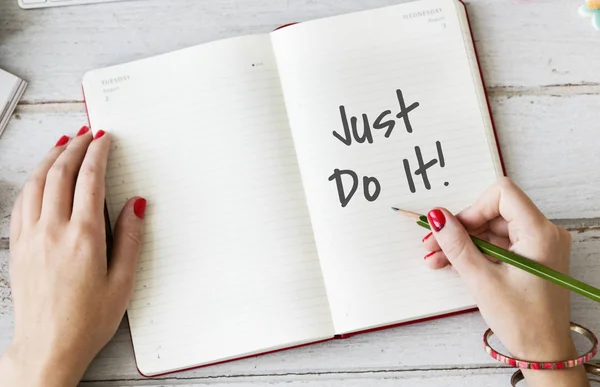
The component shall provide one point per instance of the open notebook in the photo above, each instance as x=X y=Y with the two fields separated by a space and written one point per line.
x=270 y=163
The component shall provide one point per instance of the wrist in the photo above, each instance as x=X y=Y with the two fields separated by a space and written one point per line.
x=571 y=377
x=554 y=350
x=558 y=348
x=20 y=366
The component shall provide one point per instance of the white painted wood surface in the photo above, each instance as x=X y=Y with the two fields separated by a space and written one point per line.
x=540 y=62
x=485 y=378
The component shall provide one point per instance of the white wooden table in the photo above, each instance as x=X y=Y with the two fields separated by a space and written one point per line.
x=541 y=65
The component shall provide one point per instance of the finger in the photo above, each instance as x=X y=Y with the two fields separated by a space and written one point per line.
x=60 y=183
x=88 y=202
x=127 y=248
x=33 y=190
x=15 y=220
x=441 y=256
x=458 y=247
x=495 y=239
x=436 y=260
x=504 y=199
x=430 y=243
x=499 y=226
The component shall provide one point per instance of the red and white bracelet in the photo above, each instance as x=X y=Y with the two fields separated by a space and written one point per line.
x=591 y=369
x=523 y=364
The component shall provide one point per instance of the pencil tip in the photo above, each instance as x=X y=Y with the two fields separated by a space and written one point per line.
x=395 y=209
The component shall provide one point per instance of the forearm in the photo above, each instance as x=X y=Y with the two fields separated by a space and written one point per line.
x=17 y=368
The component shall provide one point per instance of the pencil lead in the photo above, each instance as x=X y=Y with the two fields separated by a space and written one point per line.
x=395 y=209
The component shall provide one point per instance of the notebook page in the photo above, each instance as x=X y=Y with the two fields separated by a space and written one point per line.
x=412 y=55
x=229 y=264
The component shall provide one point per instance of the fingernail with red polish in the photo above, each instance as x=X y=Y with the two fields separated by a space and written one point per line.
x=99 y=134
x=139 y=208
x=62 y=141
x=427 y=237
x=84 y=129
x=429 y=255
x=437 y=220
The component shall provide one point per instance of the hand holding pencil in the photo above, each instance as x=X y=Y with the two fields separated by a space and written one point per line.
x=530 y=315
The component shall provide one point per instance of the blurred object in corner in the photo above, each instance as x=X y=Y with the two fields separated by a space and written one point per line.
x=11 y=90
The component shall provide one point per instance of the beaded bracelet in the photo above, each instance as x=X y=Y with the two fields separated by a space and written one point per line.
x=523 y=364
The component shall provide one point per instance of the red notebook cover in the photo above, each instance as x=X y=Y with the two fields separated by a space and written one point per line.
x=344 y=336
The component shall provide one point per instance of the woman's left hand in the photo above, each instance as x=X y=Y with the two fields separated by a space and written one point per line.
x=68 y=298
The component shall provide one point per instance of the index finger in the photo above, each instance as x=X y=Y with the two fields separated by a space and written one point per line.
x=504 y=199
x=88 y=201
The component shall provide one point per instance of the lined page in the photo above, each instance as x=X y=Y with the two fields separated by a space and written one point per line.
x=371 y=63
x=229 y=264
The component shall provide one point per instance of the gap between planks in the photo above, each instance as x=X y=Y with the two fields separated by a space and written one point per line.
x=561 y=90
x=573 y=225
x=174 y=379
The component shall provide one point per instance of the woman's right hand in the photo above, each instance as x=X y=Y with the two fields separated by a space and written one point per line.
x=530 y=316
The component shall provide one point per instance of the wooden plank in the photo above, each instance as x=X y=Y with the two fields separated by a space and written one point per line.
x=441 y=344
x=5 y=294
x=446 y=378
x=549 y=145
x=521 y=44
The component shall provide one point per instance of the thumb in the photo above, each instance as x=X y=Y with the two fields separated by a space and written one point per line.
x=458 y=247
x=127 y=246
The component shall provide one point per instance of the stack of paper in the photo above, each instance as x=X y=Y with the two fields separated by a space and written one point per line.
x=11 y=90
